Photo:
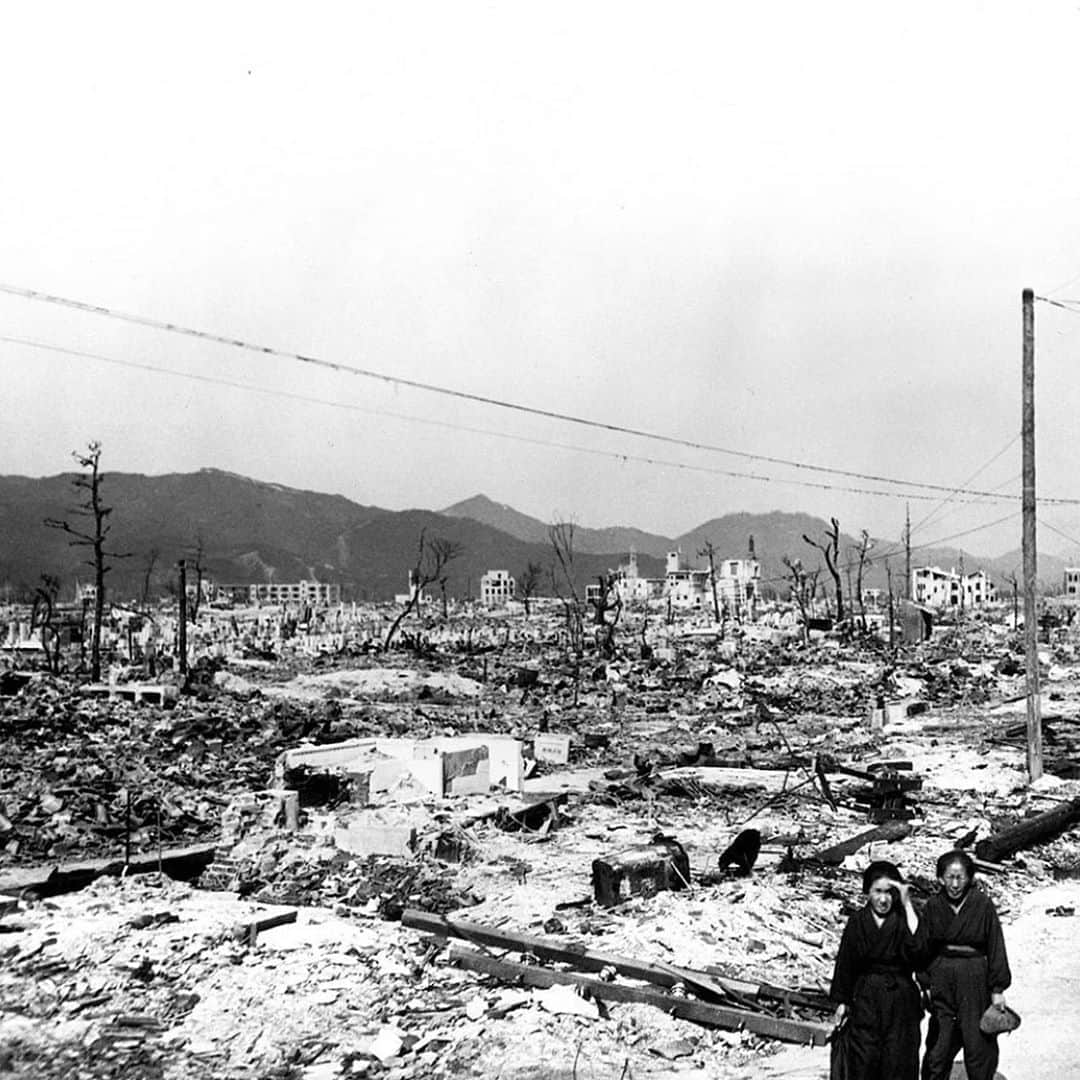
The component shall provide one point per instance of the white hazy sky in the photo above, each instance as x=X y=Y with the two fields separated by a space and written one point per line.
x=790 y=229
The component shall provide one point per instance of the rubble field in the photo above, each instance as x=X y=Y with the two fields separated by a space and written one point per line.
x=495 y=860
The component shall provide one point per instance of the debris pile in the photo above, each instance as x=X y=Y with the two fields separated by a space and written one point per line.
x=390 y=887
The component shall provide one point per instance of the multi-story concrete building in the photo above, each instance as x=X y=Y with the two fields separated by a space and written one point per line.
x=1072 y=582
x=497 y=588
x=737 y=582
x=631 y=586
x=691 y=587
x=979 y=589
x=684 y=586
x=312 y=593
x=937 y=588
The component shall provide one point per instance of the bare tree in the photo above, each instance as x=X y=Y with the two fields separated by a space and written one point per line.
x=98 y=515
x=812 y=577
x=42 y=616
x=607 y=603
x=530 y=582
x=861 y=552
x=709 y=552
x=801 y=592
x=433 y=554
x=564 y=583
x=831 y=550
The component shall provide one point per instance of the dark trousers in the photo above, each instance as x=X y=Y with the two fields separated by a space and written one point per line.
x=959 y=995
x=883 y=1039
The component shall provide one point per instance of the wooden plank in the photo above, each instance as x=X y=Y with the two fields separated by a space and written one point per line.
x=184 y=863
x=721 y=1016
x=835 y=855
x=768 y=992
x=708 y=985
x=540 y=947
x=249 y=931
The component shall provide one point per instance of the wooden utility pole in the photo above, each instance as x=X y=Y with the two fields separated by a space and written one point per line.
x=1031 y=628
x=181 y=645
x=907 y=551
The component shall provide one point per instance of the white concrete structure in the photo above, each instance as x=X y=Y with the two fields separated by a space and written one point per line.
x=691 y=587
x=631 y=586
x=497 y=588
x=737 y=582
x=449 y=765
x=1072 y=582
x=937 y=588
x=315 y=593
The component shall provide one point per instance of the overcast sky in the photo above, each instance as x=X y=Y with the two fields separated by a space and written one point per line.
x=787 y=229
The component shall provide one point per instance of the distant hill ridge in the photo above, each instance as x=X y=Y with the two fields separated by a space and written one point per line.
x=252 y=530
x=532 y=530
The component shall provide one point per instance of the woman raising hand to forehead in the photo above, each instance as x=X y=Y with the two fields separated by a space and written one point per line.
x=873 y=981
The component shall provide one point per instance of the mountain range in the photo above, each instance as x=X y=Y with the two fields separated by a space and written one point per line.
x=250 y=531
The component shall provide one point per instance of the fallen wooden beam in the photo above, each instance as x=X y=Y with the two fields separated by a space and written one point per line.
x=518 y=808
x=1028 y=832
x=835 y=855
x=707 y=984
x=181 y=863
x=721 y=1016
x=541 y=947
x=768 y=992
x=249 y=931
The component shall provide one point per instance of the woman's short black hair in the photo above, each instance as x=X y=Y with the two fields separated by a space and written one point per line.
x=956 y=856
x=878 y=869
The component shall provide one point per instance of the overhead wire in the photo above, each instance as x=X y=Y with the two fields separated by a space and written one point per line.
x=851 y=564
x=451 y=425
x=902 y=546
x=1064 y=284
x=974 y=476
x=1065 y=305
x=1060 y=532
x=462 y=395
x=980 y=499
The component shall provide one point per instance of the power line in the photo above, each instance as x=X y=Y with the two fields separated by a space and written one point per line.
x=918 y=547
x=897 y=548
x=974 y=476
x=1064 y=535
x=463 y=395
x=1064 y=284
x=1065 y=305
x=1011 y=480
x=370 y=411
x=138 y=365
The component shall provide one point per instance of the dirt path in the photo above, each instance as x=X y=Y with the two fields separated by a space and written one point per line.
x=1046 y=988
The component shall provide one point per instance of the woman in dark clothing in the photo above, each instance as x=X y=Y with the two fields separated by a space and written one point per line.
x=873 y=981
x=966 y=970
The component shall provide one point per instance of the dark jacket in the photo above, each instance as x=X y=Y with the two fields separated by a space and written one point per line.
x=975 y=925
x=866 y=948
